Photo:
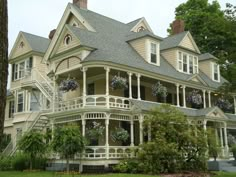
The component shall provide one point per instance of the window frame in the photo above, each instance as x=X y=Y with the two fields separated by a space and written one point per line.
x=19 y=71
x=23 y=102
x=11 y=109
x=184 y=65
x=217 y=67
x=150 y=52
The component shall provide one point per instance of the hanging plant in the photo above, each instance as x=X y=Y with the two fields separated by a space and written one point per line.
x=159 y=89
x=95 y=130
x=68 y=85
x=195 y=99
x=120 y=134
x=119 y=82
x=224 y=105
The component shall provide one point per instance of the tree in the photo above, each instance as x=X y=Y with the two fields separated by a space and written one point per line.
x=213 y=30
x=68 y=141
x=176 y=145
x=33 y=144
x=3 y=61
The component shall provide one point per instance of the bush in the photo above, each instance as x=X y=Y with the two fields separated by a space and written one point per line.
x=5 y=163
x=127 y=166
x=233 y=149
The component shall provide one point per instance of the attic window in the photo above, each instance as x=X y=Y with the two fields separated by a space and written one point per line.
x=141 y=28
x=67 y=39
x=22 y=44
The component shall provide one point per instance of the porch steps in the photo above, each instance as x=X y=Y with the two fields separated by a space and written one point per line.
x=227 y=166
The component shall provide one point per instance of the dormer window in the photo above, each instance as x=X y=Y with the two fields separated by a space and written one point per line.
x=141 y=28
x=187 y=63
x=153 y=53
x=215 y=72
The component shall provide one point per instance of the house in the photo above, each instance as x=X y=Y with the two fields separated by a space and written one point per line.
x=93 y=50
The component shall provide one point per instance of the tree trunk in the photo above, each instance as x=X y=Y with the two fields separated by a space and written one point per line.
x=3 y=61
x=67 y=165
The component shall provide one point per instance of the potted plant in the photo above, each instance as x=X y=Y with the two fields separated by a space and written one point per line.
x=119 y=82
x=159 y=90
x=224 y=105
x=68 y=85
x=195 y=99
x=95 y=130
x=120 y=134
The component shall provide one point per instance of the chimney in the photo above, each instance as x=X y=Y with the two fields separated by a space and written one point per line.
x=81 y=3
x=51 y=34
x=178 y=26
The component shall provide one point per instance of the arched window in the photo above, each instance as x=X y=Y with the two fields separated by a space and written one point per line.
x=67 y=39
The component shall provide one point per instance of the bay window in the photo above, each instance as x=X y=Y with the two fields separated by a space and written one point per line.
x=20 y=69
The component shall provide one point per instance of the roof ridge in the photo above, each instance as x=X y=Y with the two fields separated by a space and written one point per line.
x=174 y=35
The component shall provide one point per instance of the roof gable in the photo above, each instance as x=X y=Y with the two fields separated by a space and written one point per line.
x=216 y=113
x=142 y=23
x=198 y=79
x=70 y=9
x=189 y=43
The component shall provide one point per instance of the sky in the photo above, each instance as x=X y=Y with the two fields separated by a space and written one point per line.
x=41 y=16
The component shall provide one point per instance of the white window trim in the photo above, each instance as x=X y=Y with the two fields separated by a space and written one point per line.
x=23 y=110
x=213 y=71
x=181 y=60
x=17 y=65
x=148 y=50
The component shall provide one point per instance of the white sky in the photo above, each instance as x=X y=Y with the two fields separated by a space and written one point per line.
x=40 y=16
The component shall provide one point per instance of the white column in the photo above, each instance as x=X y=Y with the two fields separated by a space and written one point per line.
x=177 y=94
x=130 y=85
x=221 y=142
x=83 y=127
x=235 y=105
x=216 y=134
x=204 y=98
x=107 y=137
x=226 y=139
x=107 y=86
x=132 y=132
x=53 y=104
x=209 y=98
x=138 y=86
x=141 y=129
x=184 y=97
x=84 y=86
x=204 y=125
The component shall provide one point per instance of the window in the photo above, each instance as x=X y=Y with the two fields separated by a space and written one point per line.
x=141 y=28
x=153 y=53
x=20 y=102
x=34 y=100
x=21 y=69
x=67 y=39
x=11 y=108
x=216 y=72
x=187 y=63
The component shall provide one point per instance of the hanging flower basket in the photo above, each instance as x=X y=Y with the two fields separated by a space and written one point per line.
x=119 y=82
x=224 y=105
x=120 y=134
x=195 y=99
x=95 y=130
x=159 y=89
x=68 y=85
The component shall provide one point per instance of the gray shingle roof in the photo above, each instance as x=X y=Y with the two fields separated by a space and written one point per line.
x=142 y=34
x=37 y=43
x=206 y=56
x=110 y=41
x=172 y=41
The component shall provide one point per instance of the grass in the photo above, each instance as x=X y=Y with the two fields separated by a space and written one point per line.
x=52 y=174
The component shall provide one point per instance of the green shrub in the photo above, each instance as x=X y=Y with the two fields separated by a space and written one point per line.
x=233 y=149
x=20 y=162
x=5 y=163
x=128 y=166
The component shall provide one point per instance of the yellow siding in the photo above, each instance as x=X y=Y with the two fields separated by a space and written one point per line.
x=205 y=66
x=100 y=87
x=72 y=20
x=148 y=94
x=171 y=56
x=66 y=64
x=17 y=51
x=62 y=47
x=187 y=43
x=139 y=46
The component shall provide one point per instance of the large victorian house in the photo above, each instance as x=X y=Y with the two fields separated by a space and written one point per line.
x=92 y=52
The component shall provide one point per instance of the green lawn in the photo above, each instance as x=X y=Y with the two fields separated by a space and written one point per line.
x=52 y=174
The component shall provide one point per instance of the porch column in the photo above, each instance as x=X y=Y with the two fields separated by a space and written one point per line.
x=130 y=85
x=107 y=136
x=184 y=97
x=149 y=132
x=209 y=98
x=53 y=104
x=216 y=134
x=83 y=127
x=226 y=139
x=84 y=86
x=132 y=132
x=204 y=125
x=221 y=142
x=235 y=105
x=177 y=94
x=138 y=85
x=204 y=98
x=107 y=85
x=141 y=129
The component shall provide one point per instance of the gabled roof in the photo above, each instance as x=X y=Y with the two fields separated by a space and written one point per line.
x=133 y=23
x=37 y=43
x=141 y=34
x=206 y=56
x=144 y=21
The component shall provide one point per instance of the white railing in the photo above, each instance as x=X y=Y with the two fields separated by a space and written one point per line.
x=93 y=100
